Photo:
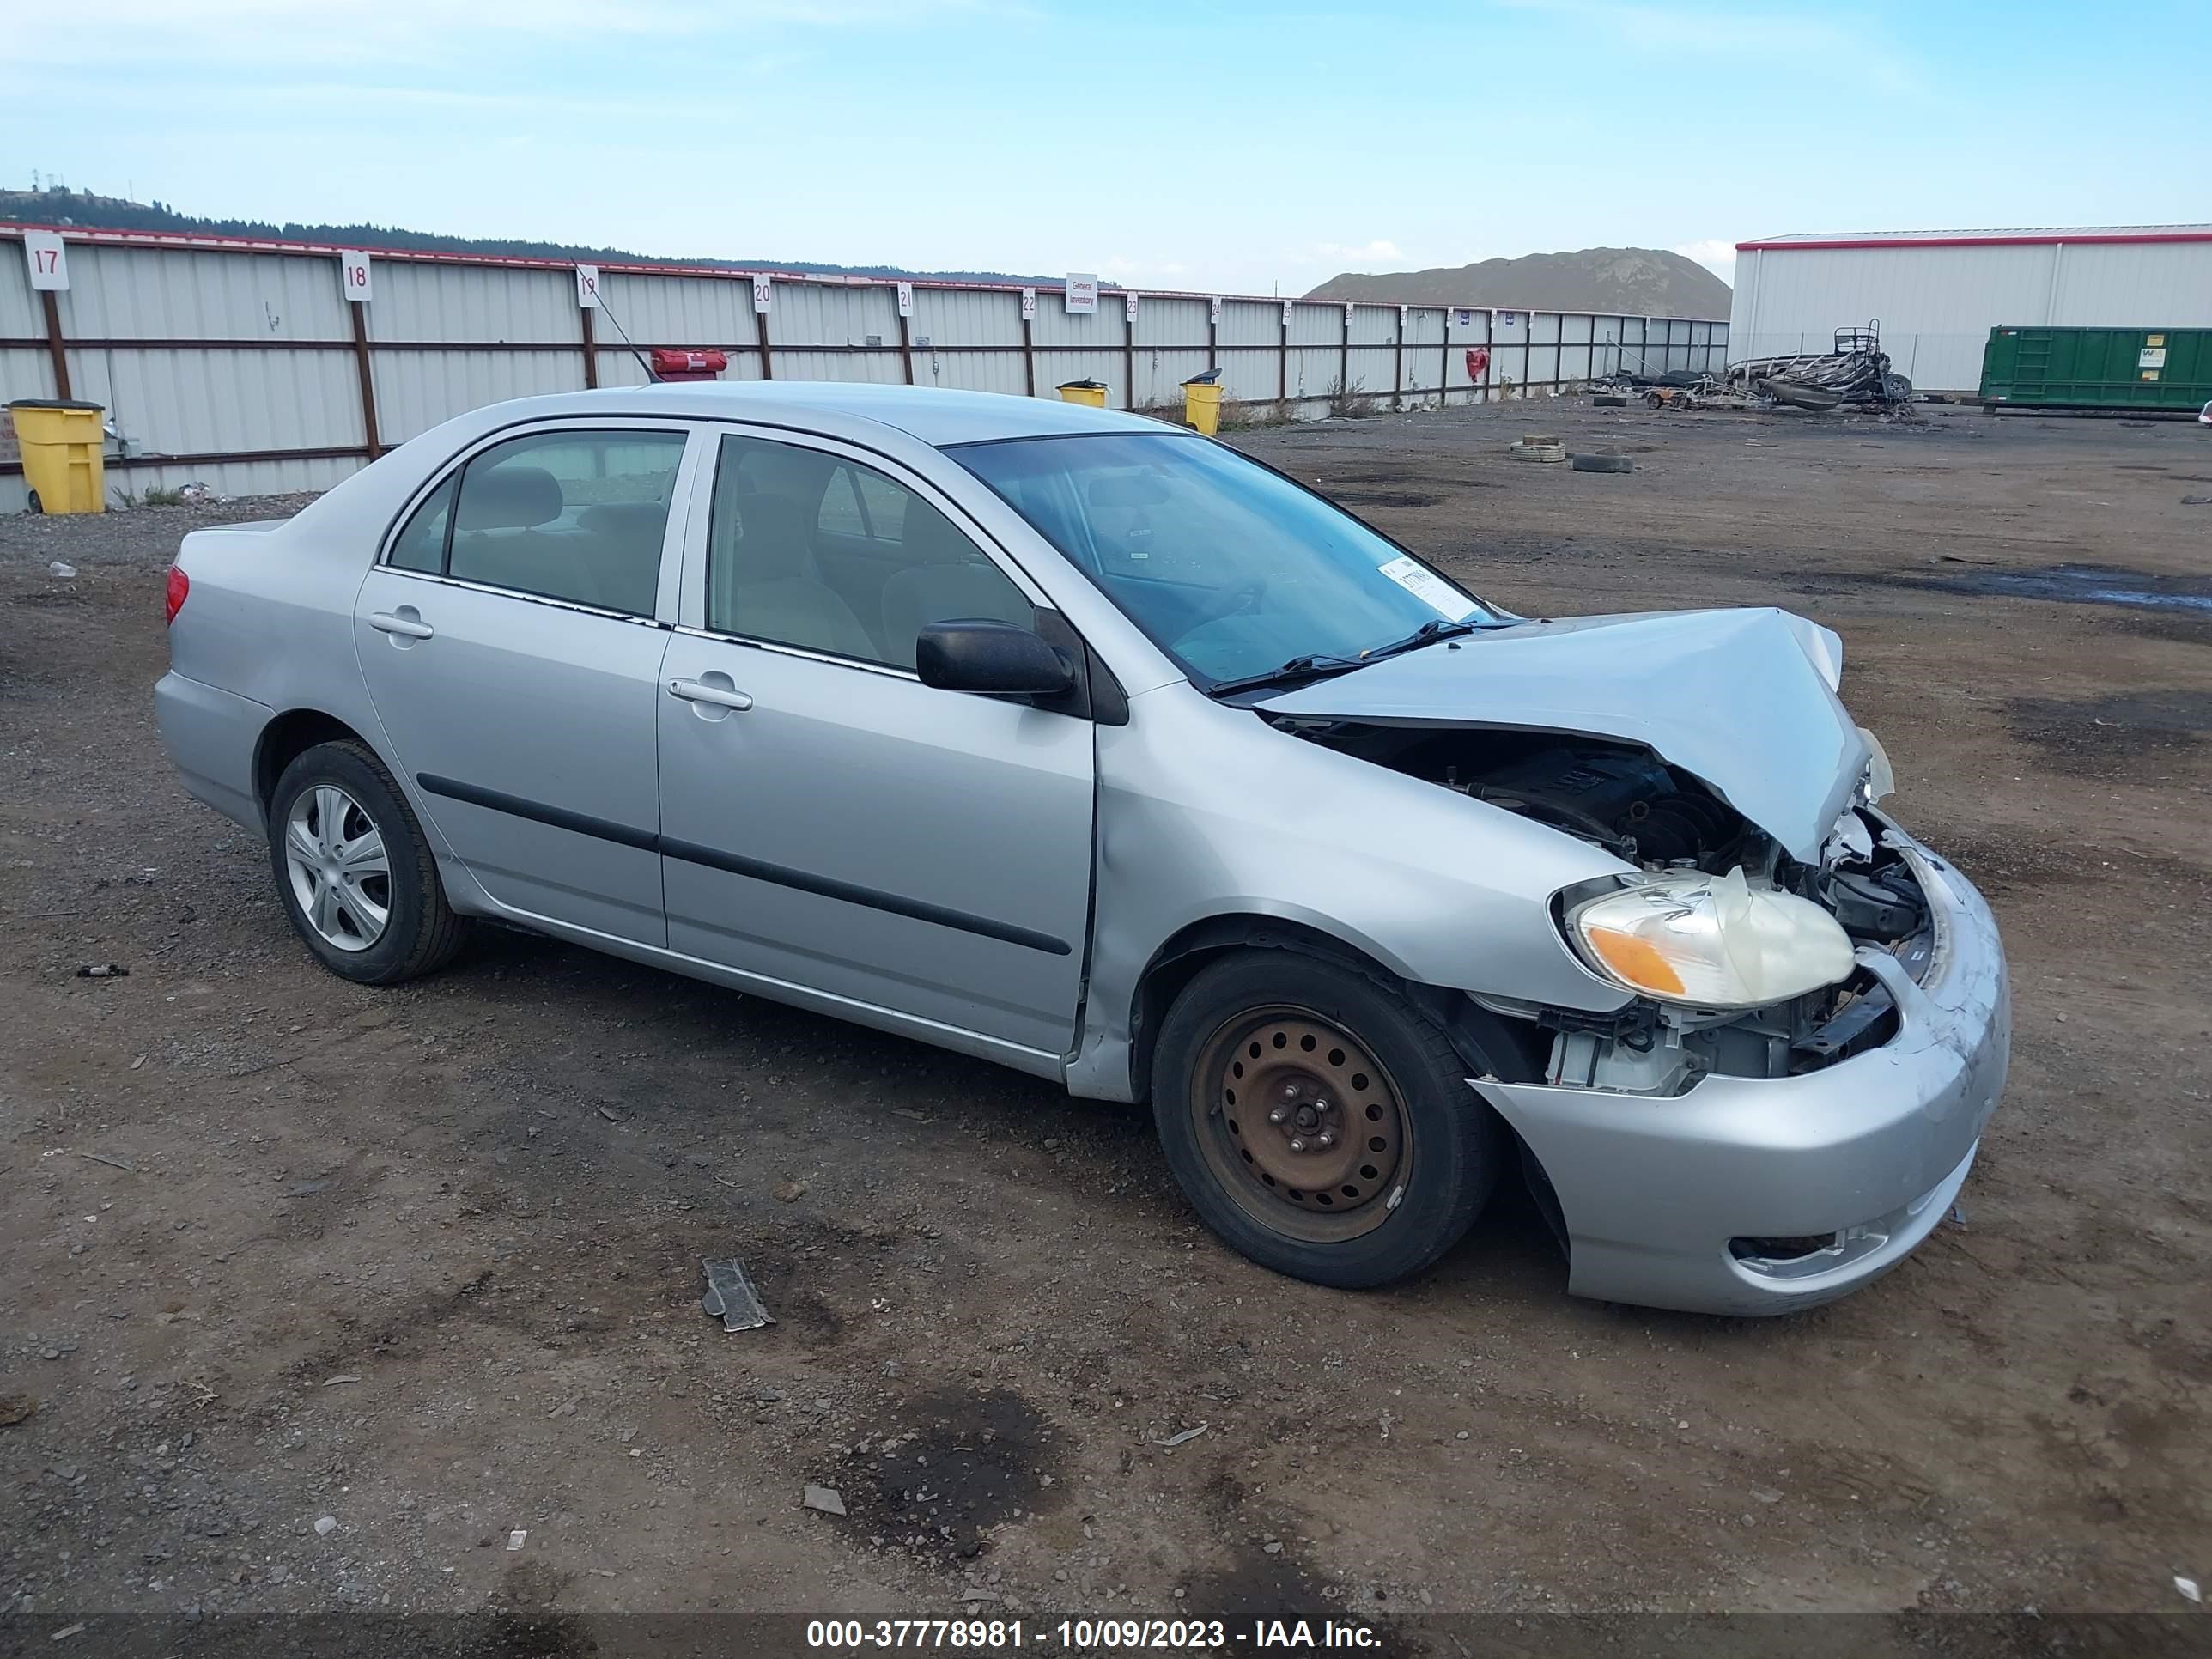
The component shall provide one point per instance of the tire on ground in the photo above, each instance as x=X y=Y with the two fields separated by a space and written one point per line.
x=422 y=932
x=1602 y=463
x=1453 y=1144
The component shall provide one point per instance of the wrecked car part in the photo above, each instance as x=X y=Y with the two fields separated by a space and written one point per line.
x=1710 y=942
x=731 y=1298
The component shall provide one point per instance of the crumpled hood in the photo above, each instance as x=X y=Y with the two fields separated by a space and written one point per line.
x=1743 y=700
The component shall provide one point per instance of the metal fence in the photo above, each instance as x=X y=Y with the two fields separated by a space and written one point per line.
x=245 y=365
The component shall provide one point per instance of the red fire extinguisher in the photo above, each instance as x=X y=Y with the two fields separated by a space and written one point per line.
x=1478 y=360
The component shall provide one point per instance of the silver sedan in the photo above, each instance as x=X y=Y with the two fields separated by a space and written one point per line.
x=1089 y=747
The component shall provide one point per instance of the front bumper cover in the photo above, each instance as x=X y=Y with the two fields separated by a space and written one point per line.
x=1872 y=1149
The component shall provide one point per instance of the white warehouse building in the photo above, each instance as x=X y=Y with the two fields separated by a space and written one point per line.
x=1937 y=294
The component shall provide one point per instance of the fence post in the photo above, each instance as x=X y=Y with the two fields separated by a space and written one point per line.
x=1129 y=352
x=55 y=349
x=1028 y=352
x=1343 y=355
x=360 y=310
x=1398 y=361
x=1444 y=368
x=905 y=341
x=1283 y=363
x=591 y=349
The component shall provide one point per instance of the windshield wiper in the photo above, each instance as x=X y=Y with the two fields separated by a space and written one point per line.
x=1297 y=669
x=1436 y=629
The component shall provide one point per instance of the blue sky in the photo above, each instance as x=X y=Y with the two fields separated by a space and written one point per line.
x=1229 y=147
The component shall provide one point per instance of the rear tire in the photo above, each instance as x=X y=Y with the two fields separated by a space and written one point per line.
x=1318 y=1122
x=355 y=875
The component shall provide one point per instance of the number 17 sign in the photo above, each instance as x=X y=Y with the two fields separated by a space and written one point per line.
x=48 y=260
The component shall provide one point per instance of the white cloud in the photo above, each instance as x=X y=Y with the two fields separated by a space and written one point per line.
x=1718 y=256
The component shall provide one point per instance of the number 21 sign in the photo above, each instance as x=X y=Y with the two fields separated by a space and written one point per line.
x=48 y=260
x=353 y=277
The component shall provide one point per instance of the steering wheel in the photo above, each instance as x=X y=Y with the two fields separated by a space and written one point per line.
x=1240 y=598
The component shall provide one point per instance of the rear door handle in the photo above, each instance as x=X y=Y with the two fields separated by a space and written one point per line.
x=693 y=691
x=385 y=623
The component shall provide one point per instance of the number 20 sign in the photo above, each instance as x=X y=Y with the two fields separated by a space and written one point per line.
x=48 y=260
x=352 y=275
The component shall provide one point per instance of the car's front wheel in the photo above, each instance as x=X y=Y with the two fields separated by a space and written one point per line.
x=355 y=874
x=1318 y=1121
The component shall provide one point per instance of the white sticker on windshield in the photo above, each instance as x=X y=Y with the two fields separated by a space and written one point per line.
x=1427 y=587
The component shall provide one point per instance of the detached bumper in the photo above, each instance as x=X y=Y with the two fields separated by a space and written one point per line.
x=1868 y=1154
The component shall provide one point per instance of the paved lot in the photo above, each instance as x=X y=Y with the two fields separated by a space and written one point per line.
x=275 y=1248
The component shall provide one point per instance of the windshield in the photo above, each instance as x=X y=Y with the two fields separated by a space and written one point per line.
x=1231 y=568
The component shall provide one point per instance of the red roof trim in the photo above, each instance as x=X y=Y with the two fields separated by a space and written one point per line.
x=2041 y=238
x=188 y=239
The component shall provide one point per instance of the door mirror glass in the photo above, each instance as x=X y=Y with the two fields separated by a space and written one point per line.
x=998 y=657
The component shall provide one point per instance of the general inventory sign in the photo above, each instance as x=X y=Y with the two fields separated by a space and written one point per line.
x=1082 y=292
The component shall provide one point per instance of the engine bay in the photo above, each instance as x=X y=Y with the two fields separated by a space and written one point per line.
x=1628 y=801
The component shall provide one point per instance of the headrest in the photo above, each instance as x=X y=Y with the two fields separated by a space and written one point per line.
x=1126 y=491
x=773 y=542
x=508 y=498
x=930 y=538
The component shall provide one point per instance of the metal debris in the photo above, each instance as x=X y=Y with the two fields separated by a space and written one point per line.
x=1187 y=1436
x=828 y=1499
x=731 y=1298
x=2188 y=1588
x=103 y=970
x=1857 y=371
x=517 y=1539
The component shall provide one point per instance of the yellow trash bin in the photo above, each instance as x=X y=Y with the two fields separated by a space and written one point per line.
x=1202 y=405
x=61 y=444
x=1092 y=392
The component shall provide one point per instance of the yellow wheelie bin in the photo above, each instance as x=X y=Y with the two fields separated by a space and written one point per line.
x=1201 y=402
x=1091 y=392
x=61 y=444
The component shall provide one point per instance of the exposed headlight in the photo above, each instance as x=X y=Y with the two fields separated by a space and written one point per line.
x=1710 y=941
x=1880 y=779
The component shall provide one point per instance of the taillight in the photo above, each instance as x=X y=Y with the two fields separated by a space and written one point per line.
x=180 y=586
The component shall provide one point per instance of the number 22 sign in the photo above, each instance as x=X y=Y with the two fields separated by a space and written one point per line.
x=48 y=260
x=353 y=269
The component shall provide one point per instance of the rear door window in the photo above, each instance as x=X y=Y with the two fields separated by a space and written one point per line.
x=574 y=516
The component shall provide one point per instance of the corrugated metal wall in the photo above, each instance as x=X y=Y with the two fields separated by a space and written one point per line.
x=1938 y=303
x=238 y=365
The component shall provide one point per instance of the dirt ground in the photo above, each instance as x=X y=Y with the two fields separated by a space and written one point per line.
x=426 y=1261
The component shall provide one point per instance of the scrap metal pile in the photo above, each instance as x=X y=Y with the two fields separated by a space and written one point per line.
x=1857 y=372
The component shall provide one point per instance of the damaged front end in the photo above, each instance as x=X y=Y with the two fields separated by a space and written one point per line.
x=1740 y=1154
x=1786 y=995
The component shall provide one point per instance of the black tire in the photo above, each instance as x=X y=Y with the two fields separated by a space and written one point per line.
x=1447 y=1146
x=1602 y=463
x=32 y=504
x=421 y=932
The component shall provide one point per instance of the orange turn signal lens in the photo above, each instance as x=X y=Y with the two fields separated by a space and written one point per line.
x=1635 y=960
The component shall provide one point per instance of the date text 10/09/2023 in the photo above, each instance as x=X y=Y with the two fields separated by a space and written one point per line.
x=1090 y=1635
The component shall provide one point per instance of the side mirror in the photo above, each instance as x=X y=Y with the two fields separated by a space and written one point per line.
x=998 y=657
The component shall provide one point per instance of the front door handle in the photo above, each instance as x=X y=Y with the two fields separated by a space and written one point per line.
x=721 y=697
x=412 y=627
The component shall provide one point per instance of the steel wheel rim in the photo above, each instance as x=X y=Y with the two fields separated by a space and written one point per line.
x=1308 y=1135
x=339 y=868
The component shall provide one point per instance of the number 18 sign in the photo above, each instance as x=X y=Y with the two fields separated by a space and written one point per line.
x=353 y=277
